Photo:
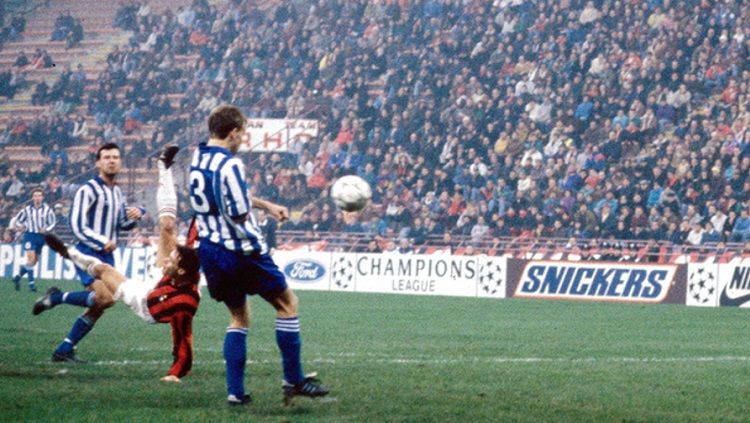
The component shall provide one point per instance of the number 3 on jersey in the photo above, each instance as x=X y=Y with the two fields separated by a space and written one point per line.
x=198 y=194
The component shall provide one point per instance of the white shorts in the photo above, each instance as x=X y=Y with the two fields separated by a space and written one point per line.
x=134 y=294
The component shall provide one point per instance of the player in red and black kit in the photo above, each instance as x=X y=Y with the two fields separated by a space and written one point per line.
x=175 y=301
x=170 y=295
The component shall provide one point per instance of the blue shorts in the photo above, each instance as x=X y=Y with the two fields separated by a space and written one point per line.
x=83 y=275
x=232 y=276
x=33 y=242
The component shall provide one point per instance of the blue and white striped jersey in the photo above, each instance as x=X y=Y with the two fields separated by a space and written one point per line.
x=36 y=219
x=98 y=213
x=219 y=197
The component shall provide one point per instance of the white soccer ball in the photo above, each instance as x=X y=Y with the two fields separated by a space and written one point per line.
x=351 y=193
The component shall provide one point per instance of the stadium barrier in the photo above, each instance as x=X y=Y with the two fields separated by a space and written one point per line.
x=464 y=276
x=694 y=284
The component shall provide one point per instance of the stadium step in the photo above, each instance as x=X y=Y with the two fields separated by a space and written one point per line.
x=22 y=109
x=52 y=47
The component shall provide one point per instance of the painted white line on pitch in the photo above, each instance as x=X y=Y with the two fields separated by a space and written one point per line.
x=453 y=360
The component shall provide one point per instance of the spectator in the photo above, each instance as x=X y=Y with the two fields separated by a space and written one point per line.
x=75 y=34
x=710 y=234
x=63 y=26
x=741 y=228
x=695 y=236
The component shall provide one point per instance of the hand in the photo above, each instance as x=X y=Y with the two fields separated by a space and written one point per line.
x=171 y=378
x=109 y=246
x=133 y=213
x=278 y=212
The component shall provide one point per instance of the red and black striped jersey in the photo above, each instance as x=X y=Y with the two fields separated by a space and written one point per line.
x=166 y=300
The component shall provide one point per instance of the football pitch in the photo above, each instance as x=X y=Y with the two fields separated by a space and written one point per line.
x=392 y=358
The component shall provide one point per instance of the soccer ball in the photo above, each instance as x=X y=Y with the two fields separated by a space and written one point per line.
x=351 y=193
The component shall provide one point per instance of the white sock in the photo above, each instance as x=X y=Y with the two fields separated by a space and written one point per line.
x=166 y=197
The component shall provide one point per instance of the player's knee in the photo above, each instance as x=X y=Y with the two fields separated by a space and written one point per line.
x=240 y=317
x=288 y=303
x=293 y=303
x=103 y=301
x=104 y=304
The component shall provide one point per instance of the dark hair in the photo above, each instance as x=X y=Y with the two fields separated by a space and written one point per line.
x=190 y=263
x=224 y=119
x=39 y=189
x=107 y=146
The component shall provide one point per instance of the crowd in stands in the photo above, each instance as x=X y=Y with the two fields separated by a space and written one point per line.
x=68 y=29
x=13 y=29
x=565 y=119
x=11 y=79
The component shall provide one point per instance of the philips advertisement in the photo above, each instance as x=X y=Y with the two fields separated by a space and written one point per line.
x=134 y=263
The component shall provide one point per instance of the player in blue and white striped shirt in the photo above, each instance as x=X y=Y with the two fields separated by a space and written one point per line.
x=35 y=219
x=98 y=213
x=235 y=259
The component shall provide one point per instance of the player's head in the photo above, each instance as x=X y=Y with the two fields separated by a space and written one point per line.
x=37 y=195
x=183 y=265
x=227 y=123
x=108 y=160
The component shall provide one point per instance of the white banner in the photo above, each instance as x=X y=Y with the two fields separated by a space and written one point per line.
x=134 y=263
x=733 y=289
x=279 y=135
x=463 y=276
x=416 y=274
x=702 y=285
x=305 y=269
x=492 y=276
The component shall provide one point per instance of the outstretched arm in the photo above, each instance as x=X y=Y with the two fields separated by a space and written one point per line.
x=19 y=221
x=277 y=211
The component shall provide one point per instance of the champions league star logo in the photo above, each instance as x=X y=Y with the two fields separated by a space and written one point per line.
x=342 y=272
x=490 y=277
x=701 y=285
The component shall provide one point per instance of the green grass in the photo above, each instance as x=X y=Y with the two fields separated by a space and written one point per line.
x=393 y=358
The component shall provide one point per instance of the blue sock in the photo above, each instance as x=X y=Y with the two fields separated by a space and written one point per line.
x=235 y=355
x=79 y=298
x=81 y=327
x=290 y=344
x=30 y=273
